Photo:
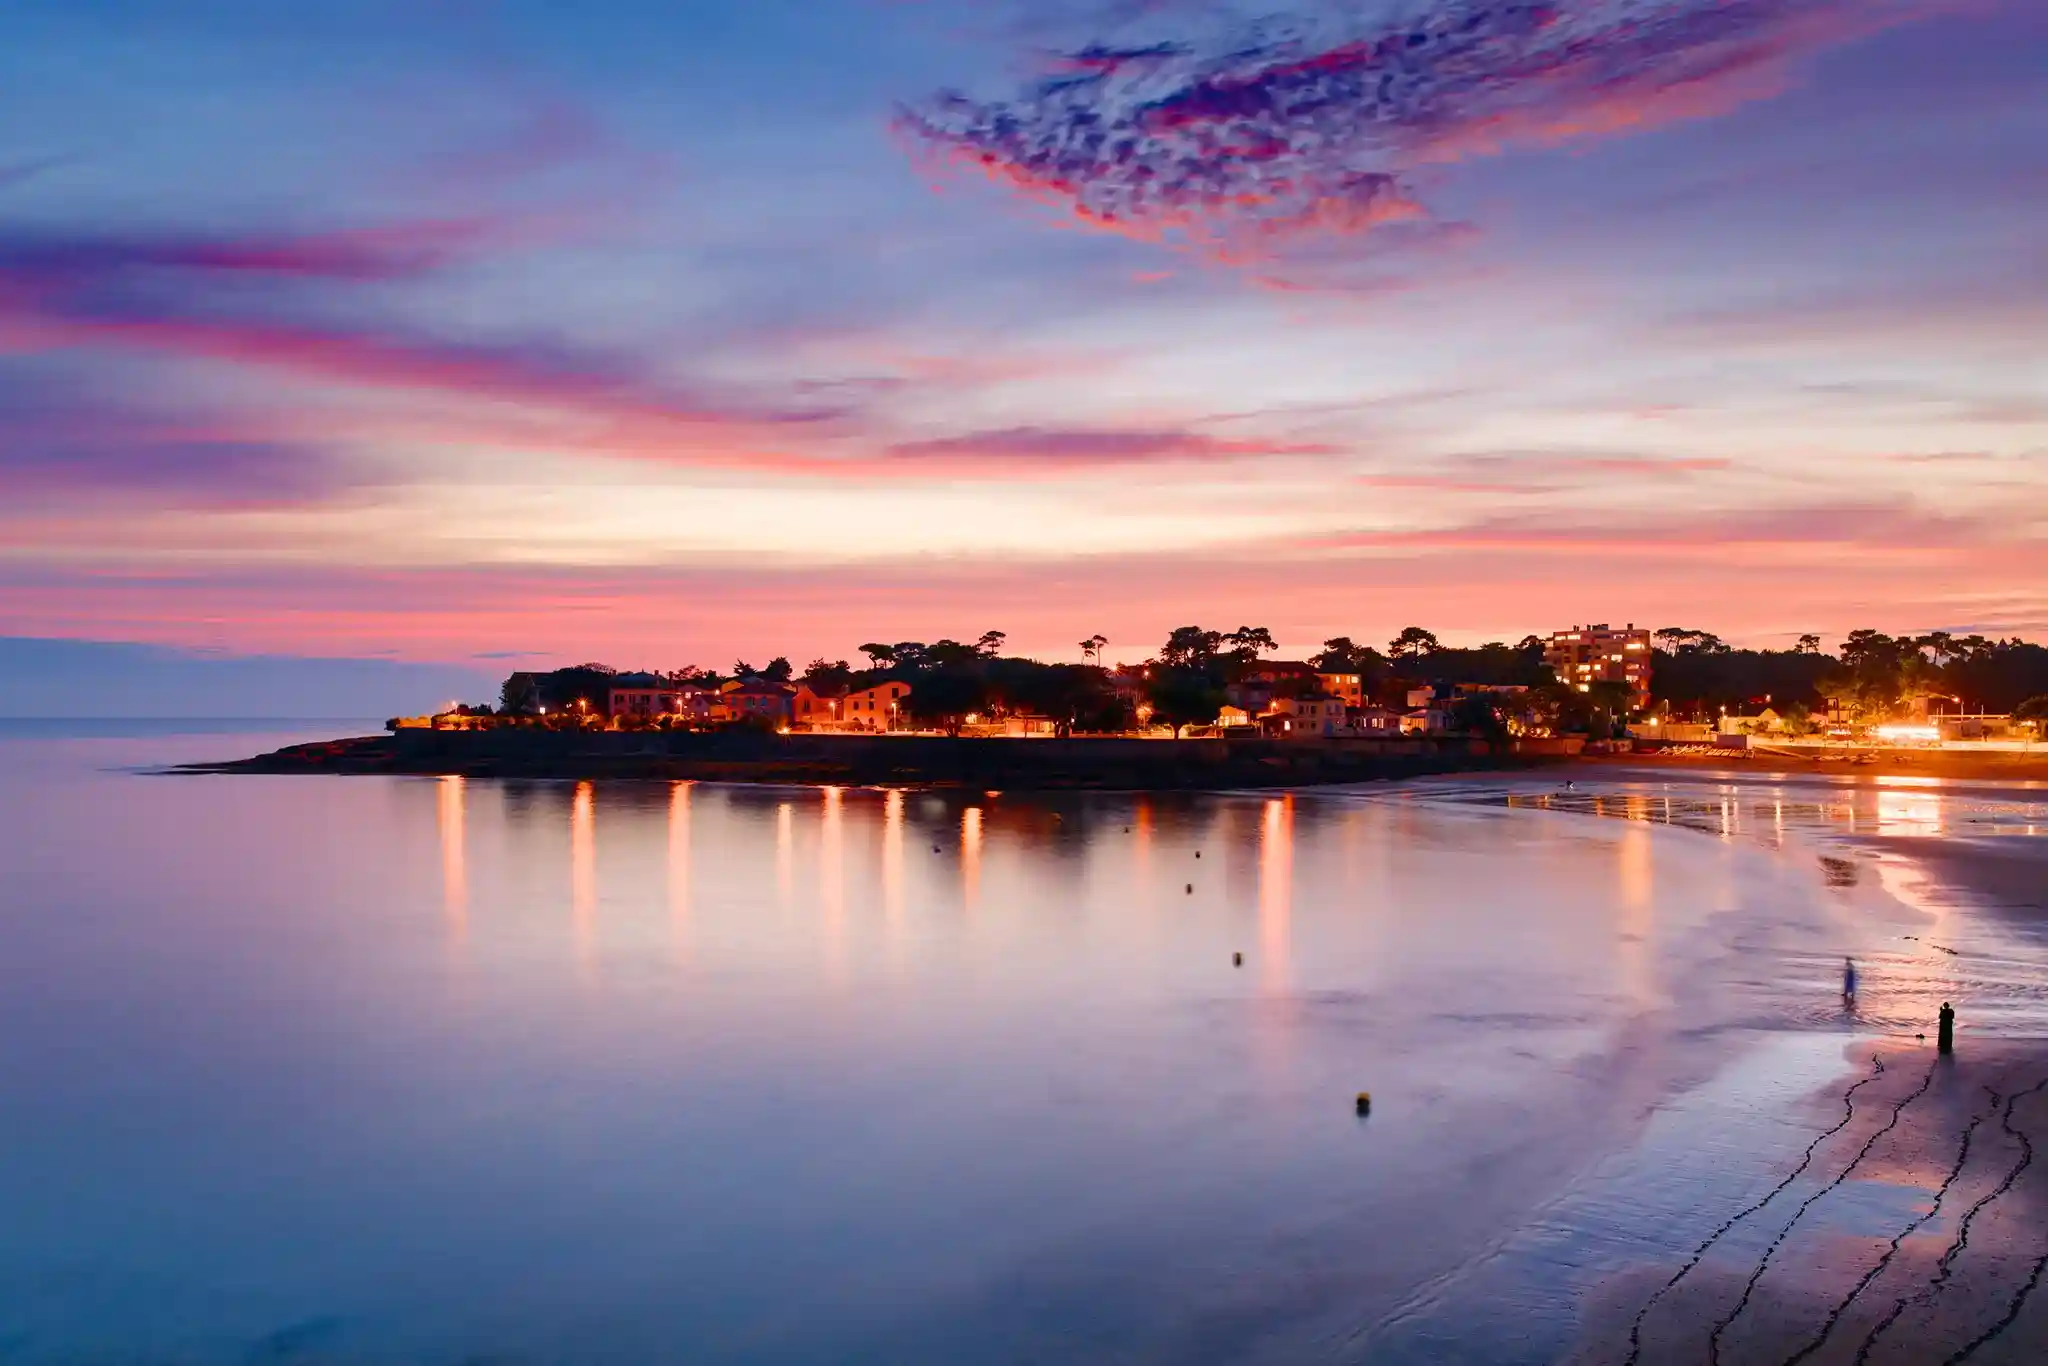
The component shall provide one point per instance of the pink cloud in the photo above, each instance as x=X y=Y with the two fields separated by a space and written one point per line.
x=1239 y=138
x=1892 y=565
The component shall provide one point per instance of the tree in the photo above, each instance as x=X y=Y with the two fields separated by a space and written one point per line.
x=1809 y=644
x=882 y=655
x=949 y=654
x=945 y=698
x=824 y=677
x=1247 y=643
x=2033 y=713
x=1339 y=655
x=742 y=669
x=1479 y=714
x=779 y=670
x=1609 y=701
x=990 y=644
x=1183 y=697
x=1682 y=640
x=1190 y=647
x=1091 y=648
x=1879 y=673
x=1412 y=643
x=587 y=687
x=520 y=695
x=1068 y=695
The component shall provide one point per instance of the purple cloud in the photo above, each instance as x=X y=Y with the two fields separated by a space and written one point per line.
x=1313 y=121
x=1063 y=447
x=175 y=295
x=30 y=261
x=62 y=441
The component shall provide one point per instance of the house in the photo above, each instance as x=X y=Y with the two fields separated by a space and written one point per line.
x=1312 y=714
x=742 y=699
x=819 y=709
x=1425 y=721
x=1253 y=696
x=1233 y=715
x=641 y=694
x=881 y=707
x=1376 y=721
x=1350 y=687
x=1421 y=697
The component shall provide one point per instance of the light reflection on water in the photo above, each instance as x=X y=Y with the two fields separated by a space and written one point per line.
x=437 y=1070
x=1962 y=865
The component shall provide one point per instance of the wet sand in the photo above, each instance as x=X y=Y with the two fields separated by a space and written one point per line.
x=2007 y=874
x=2018 y=766
x=1914 y=1230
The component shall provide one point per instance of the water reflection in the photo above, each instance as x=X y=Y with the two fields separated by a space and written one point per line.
x=970 y=855
x=583 y=874
x=679 y=867
x=785 y=853
x=832 y=874
x=1906 y=807
x=448 y=812
x=1276 y=890
x=1636 y=868
x=892 y=860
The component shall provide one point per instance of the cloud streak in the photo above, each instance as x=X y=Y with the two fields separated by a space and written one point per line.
x=1313 y=121
x=1092 y=447
x=177 y=295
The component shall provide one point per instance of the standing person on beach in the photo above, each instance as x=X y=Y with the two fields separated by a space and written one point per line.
x=1848 y=981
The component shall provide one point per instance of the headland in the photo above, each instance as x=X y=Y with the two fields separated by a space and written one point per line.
x=1110 y=763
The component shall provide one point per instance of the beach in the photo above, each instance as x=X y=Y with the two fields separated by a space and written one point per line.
x=1911 y=1226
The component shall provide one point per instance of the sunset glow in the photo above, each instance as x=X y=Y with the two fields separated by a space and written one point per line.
x=471 y=334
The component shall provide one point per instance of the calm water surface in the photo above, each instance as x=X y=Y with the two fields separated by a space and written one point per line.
x=443 y=1071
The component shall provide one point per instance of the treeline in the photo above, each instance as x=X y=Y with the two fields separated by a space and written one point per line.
x=1189 y=678
x=1872 y=674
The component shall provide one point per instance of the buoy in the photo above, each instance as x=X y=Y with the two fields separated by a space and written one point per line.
x=1198 y=853
x=1237 y=960
x=935 y=848
x=1191 y=889
x=1365 y=1102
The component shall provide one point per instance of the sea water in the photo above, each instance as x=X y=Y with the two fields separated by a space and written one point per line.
x=426 y=1069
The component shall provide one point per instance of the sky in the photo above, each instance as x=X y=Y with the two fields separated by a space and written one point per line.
x=665 y=332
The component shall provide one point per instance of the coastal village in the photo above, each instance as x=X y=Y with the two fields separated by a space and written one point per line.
x=1596 y=685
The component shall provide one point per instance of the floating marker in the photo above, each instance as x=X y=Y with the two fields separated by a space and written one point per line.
x=1191 y=889
x=1237 y=960
x=1365 y=1102
x=1198 y=853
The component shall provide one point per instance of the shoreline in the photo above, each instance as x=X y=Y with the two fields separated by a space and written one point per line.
x=1083 y=764
x=2018 y=766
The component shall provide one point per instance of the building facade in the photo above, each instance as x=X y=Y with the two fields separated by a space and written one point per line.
x=1586 y=655
x=878 y=708
x=1313 y=714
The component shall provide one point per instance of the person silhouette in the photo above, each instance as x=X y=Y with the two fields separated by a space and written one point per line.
x=1849 y=981
x=1945 y=1041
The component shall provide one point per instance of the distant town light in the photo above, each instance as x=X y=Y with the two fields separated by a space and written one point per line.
x=1908 y=733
